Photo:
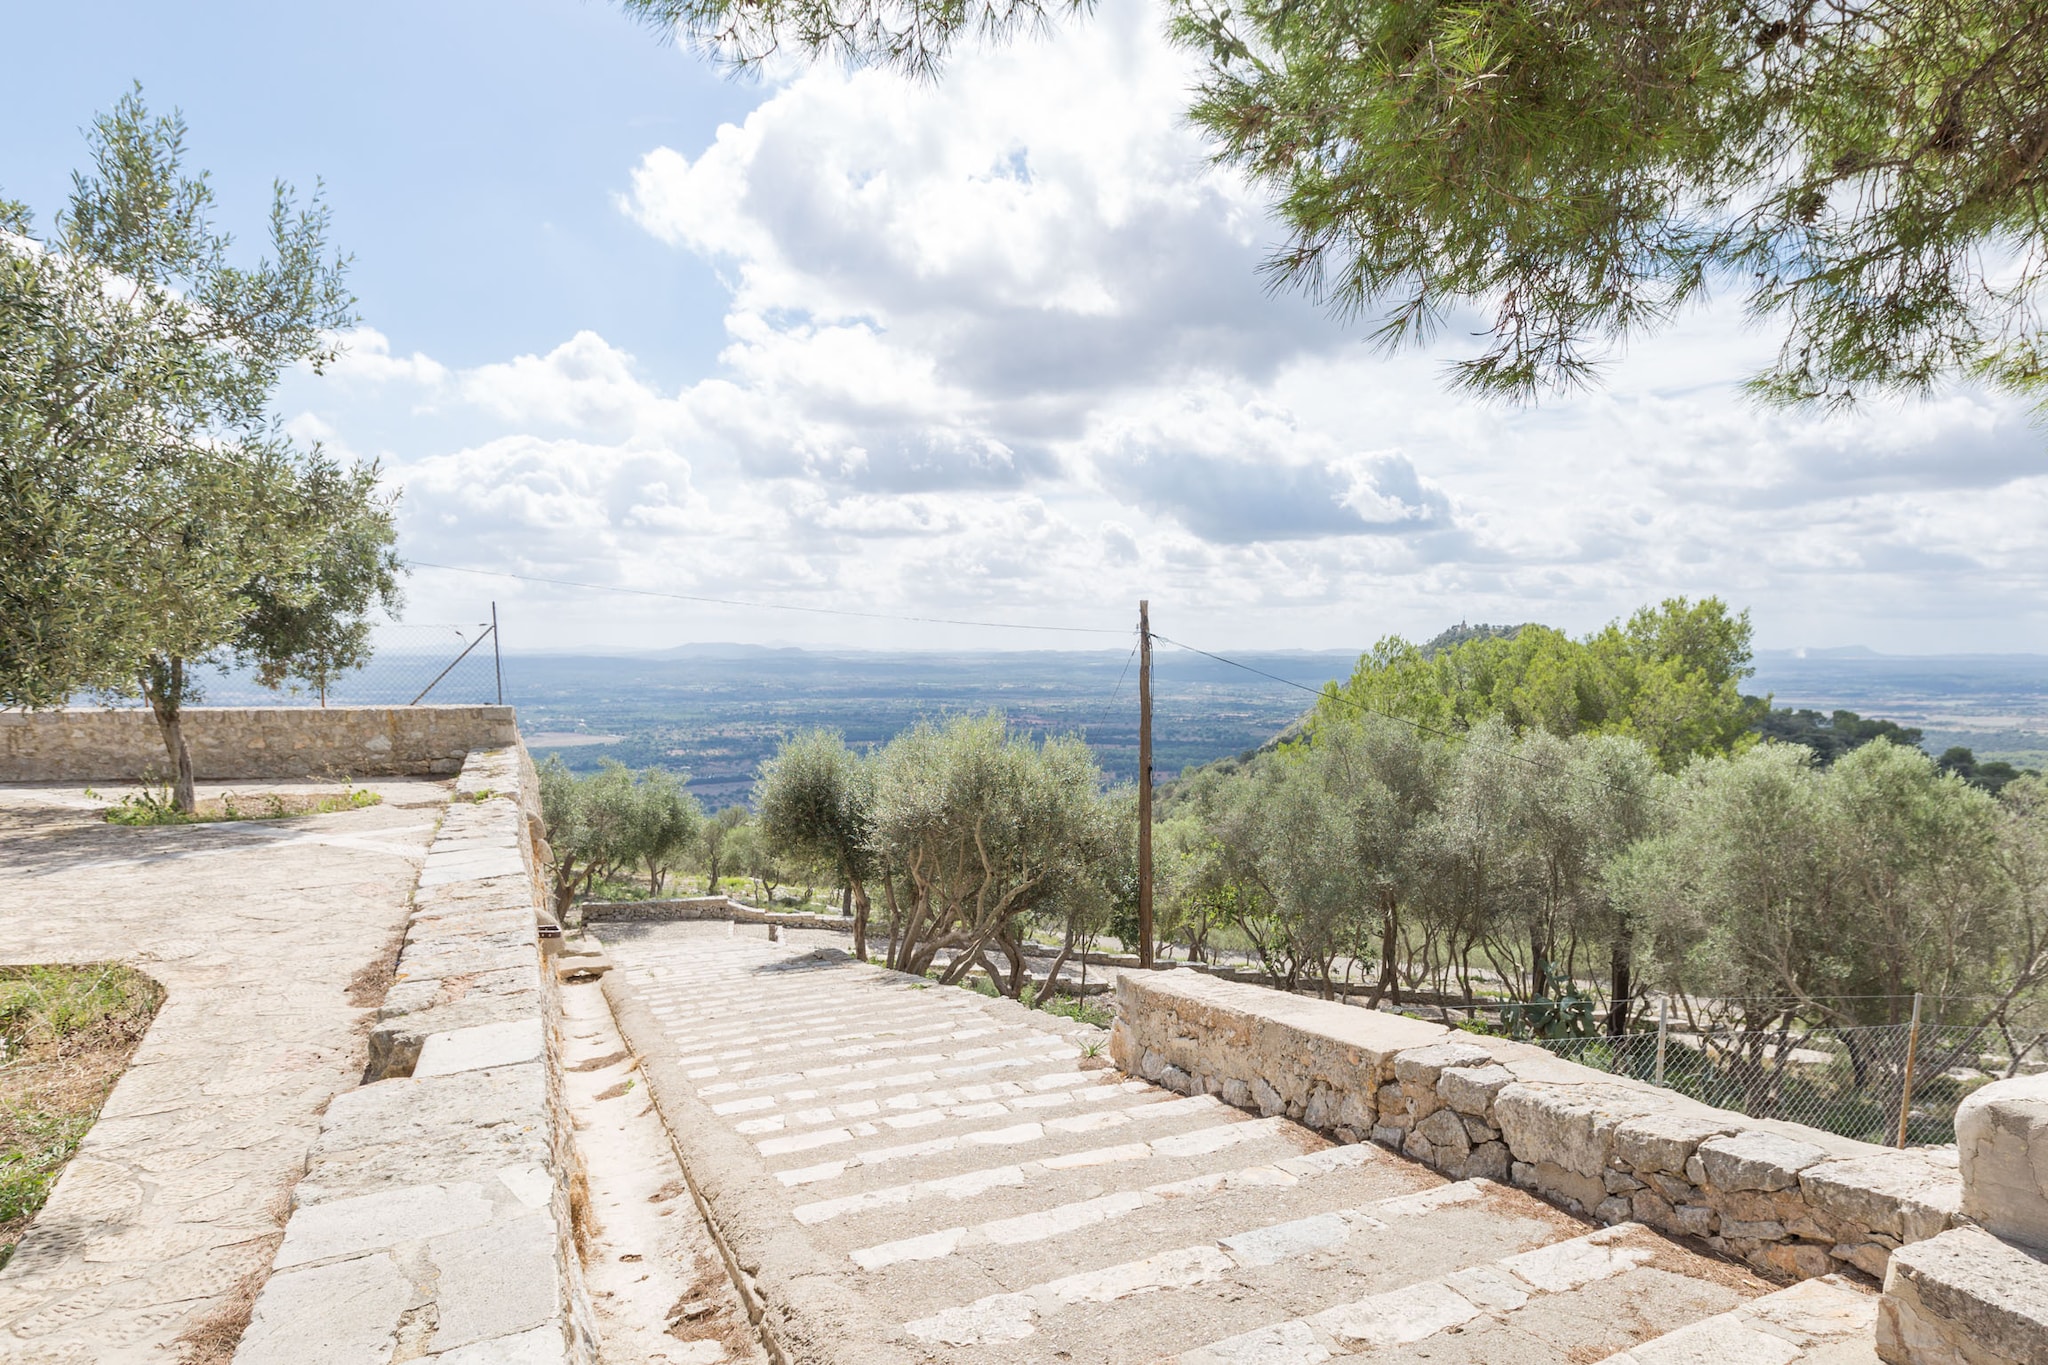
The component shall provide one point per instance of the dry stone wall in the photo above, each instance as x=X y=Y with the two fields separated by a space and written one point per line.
x=435 y=1218
x=251 y=742
x=1791 y=1201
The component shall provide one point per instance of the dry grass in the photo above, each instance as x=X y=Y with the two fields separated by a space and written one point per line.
x=706 y=1313
x=372 y=982
x=69 y=1032
x=212 y=1339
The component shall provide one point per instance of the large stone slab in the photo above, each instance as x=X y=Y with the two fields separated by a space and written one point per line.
x=2002 y=1144
x=486 y=1045
x=459 y=1175
x=1908 y=1195
x=1964 y=1298
x=1757 y=1160
x=347 y=1313
x=1570 y=1126
x=1666 y=1140
x=409 y=1213
x=441 y=1128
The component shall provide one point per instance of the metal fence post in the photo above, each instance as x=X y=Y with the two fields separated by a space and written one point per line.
x=446 y=671
x=1906 y=1086
x=497 y=657
x=1663 y=1032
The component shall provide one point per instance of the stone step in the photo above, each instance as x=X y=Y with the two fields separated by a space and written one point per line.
x=1565 y=1302
x=1159 y=1128
x=940 y=1176
x=1032 y=1202
x=769 y=1074
x=1826 y=1321
x=1176 y=1297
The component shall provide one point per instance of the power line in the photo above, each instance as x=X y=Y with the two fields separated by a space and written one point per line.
x=1119 y=690
x=1019 y=625
x=769 y=606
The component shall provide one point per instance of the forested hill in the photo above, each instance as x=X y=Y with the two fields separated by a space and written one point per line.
x=1984 y=716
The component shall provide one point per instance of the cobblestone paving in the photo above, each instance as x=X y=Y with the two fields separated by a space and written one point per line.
x=171 y=1211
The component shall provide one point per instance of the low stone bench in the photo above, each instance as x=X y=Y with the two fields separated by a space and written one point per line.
x=434 y=1219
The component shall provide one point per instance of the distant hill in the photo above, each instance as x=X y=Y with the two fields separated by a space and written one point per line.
x=716 y=711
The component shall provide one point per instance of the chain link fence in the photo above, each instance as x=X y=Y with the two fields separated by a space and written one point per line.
x=411 y=664
x=1895 y=1084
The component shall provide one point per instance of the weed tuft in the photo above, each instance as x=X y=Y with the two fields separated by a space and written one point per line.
x=157 y=807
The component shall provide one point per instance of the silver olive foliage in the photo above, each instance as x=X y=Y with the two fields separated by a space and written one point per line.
x=617 y=823
x=967 y=834
x=153 y=515
x=1454 y=869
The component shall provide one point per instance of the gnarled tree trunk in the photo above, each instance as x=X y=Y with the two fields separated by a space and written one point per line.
x=163 y=687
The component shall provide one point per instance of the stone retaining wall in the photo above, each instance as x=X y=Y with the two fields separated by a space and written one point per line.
x=435 y=1218
x=686 y=908
x=251 y=742
x=1792 y=1201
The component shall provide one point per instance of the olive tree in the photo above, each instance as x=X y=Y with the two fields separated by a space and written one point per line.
x=816 y=800
x=718 y=840
x=613 y=822
x=663 y=826
x=1837 y=891
x=155 y=516
x=975 y=829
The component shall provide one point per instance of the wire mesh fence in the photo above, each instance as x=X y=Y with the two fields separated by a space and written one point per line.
x=410 y=664
x=1895 y=1084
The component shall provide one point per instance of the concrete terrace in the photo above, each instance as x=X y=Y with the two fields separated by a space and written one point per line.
x=173 y=1207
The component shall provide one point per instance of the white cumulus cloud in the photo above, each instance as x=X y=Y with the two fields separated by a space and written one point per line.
x=1000 y=343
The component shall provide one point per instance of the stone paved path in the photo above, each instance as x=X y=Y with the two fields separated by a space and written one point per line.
x=976 y=1186
x=172 y=1209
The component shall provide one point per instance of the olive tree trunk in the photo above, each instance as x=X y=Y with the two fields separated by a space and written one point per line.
x=163 y=687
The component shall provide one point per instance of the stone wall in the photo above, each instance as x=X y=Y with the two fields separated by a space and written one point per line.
x=686 y=908
x=435 y=1218
x=1792 y=1201
x=250 y=742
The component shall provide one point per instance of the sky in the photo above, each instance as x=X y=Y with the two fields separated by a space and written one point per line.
x=994 y=348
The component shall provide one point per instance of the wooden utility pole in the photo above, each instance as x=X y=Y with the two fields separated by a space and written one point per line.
x=1145 y=784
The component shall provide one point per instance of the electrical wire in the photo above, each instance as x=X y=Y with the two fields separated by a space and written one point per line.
x=1318 y=692
x=1118 y=691
x=768 y=606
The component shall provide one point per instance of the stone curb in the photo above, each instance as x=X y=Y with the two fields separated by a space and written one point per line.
x=792 y=1290
x=1964 y=1296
